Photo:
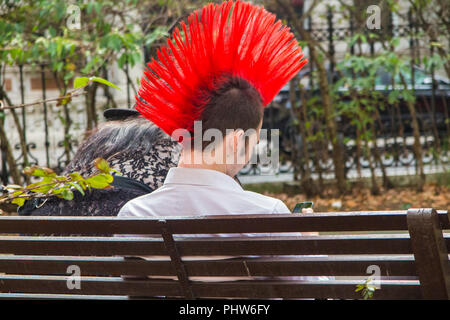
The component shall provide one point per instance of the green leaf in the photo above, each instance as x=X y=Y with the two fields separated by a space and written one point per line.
x=38 y=187
x=75 y=176
x=359 y=287
x=97 y=7
x=58 y=191
x=395 y=42
x=393 y=96
x=80 y=82
x=64 y=100
x=105 y=82
x=102 y=165
x=83 y=184
x=36 y=171
x=116 y=171
x=19 y=201
x=436 y=44
x=67 y=194
x=100 y=181
x=89 y=8
x=78 y=187
x=307 y=125
x=363 y=38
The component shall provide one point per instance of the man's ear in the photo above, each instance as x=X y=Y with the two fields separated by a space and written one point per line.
x=232 y=143
x=237 y=139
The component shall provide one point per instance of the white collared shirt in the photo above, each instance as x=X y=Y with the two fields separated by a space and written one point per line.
x=200 y=192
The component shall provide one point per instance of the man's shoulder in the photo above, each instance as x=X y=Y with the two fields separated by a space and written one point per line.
x=135 y=207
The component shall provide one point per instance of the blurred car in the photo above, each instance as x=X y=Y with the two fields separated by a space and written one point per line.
x=423 y=91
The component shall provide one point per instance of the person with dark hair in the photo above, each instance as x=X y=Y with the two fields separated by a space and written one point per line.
x=133 y=146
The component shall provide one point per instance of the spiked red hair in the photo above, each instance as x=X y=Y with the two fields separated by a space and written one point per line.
x=237 y=39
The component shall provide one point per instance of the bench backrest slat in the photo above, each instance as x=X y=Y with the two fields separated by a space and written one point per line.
x=233 y=246
x=320 y=222
x=400 y=266
x=80 y=246
x=89 y=286
x=331 y=289
x=238 y=289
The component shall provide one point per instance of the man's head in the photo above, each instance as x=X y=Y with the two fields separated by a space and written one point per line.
x=229 y=126
x=235 y=104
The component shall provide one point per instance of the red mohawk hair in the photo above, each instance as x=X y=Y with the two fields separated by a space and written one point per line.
x=236 y=39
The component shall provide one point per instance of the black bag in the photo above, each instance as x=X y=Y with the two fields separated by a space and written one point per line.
x=119 y=182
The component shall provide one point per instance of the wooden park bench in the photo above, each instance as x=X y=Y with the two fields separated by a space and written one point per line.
x=408 y=247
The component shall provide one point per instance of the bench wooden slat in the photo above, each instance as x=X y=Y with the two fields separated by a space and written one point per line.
x=321 y=222
x=275 y=266
x=234 y=289
x=90 y=266
x=330 y=266
x=322 y=290
x=89 y=286
x=25 y=296
x=81 y=246
x=320 y=245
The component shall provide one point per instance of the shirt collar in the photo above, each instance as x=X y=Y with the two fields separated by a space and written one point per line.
x=200 y=177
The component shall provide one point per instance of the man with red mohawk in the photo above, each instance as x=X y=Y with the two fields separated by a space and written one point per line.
x=216 y=74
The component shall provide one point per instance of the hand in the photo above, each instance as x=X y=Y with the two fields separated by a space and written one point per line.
x=309 y=210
